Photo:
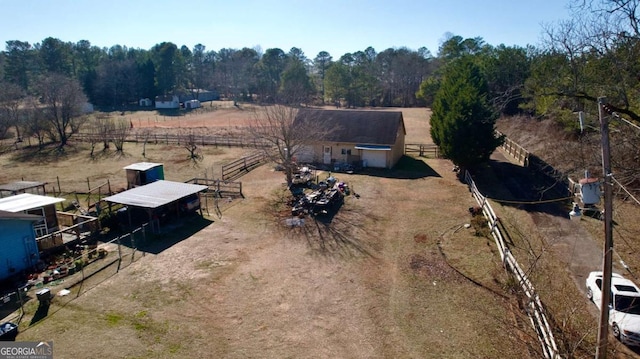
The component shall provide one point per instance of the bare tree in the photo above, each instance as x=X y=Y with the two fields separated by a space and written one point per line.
x=36 y=124
x=146 y=135
x=120 y=132
x=63 y=100
x=285 y=135
x=11 y=97
x=189 y=141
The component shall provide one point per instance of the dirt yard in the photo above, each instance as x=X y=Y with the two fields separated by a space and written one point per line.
x=395 y=274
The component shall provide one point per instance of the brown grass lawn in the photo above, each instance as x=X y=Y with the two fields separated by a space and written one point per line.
x=393 y=275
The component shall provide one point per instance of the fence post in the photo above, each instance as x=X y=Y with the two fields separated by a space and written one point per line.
x=133 y=246
x=119 y=254
x=144 y=236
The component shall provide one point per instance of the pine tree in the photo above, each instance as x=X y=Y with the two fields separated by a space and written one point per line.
x=462 y=121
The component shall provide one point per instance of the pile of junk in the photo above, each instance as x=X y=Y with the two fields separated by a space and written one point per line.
x=324 y=198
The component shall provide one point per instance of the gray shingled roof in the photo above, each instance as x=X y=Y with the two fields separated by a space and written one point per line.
x=356 y=126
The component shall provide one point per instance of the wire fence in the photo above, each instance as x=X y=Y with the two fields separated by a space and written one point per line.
x=73 y=274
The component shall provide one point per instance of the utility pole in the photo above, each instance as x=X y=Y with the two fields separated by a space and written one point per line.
x=603 y=329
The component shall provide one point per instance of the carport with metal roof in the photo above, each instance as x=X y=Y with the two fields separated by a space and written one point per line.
x=160 y=199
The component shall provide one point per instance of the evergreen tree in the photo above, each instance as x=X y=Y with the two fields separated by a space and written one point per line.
x=462 y=122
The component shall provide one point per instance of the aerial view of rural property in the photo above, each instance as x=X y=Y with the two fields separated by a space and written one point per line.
x=320 y=180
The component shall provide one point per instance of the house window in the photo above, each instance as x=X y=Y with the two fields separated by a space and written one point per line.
x=346 y=151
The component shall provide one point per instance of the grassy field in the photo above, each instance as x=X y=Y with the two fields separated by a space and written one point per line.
x=395 y=274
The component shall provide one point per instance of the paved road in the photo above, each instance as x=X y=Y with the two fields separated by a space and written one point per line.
x=569 y=240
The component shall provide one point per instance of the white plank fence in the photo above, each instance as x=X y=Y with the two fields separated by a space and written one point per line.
x=536 y=310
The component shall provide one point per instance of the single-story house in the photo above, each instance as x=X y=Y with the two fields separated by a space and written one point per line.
x=41 y=206
x=198 y=94
x=366 y=138
x=169 y=101
x=18 y=242
x=159 y=200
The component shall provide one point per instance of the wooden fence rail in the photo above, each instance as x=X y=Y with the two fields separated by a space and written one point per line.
x=536 y=310
x=177 y=139
x=423 y=150
x=515 y=150
x=220 y=188
x=239 y=167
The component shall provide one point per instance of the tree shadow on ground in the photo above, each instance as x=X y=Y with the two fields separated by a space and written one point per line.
x=521 y=187
x=170 y=234
x=406 y=168
x=50 y=153
x=337 y=235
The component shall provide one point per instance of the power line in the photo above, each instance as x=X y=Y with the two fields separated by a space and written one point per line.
x=616 y=115
x=624 y=189
x=530 y=202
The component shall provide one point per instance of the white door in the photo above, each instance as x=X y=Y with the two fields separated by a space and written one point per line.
x=326 y=155
x=375 y=158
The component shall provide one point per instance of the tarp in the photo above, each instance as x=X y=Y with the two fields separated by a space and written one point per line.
x=373 y=147
x=156 y=194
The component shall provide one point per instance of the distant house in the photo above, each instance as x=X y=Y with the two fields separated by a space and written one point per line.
x=198 y=94
x=167 y=102
x=18 y=242
x=41 y=206
x=367 y=138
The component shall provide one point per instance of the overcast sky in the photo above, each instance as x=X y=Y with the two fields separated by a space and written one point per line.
x=336 y=26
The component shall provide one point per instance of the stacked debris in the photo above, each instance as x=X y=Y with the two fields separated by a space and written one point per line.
x=325 y=198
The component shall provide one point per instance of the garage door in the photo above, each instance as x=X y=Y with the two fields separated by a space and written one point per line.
x=375 y=158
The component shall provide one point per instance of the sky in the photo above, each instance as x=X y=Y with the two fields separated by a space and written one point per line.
x=335 y=26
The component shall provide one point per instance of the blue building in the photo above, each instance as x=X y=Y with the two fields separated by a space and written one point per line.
x=18 y=242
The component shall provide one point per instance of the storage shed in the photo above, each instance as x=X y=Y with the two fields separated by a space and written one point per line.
x=145 y=102
x=191 y=104
x=14 y=188
x=142 y=173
